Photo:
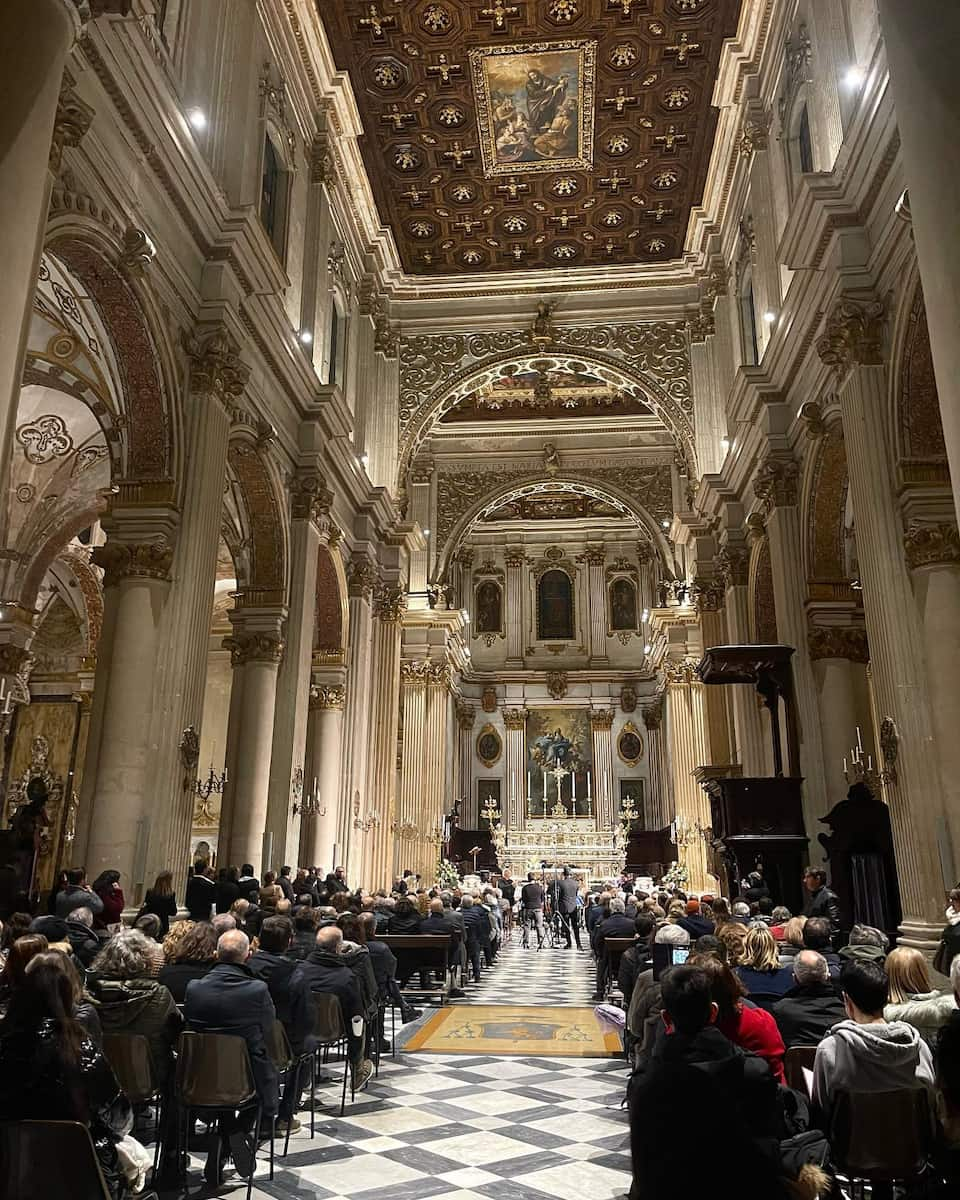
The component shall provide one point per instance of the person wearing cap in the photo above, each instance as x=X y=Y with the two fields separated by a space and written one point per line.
x=694 y=922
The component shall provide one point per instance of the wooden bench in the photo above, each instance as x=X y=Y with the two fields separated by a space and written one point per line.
x=418 y=953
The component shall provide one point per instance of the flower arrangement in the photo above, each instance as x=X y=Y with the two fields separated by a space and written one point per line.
x=676 y=876
x=447 y=874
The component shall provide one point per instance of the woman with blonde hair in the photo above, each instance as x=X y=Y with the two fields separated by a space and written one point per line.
x=792 y=941
x=733 y=935
x=912 y=998
x=178 y=931
x=760 y=971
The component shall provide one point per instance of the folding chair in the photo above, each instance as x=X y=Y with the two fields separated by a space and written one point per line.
x=40 y=1159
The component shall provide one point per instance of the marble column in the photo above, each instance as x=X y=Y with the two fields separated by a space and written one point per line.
x=921 y=38
x=933 y=557
x=256 y=649
x=852 y=345
x=434 y=793
x=318 y=830
x=512 y=804
x=655 y=814
x=516 y=628
x=136 y=589
x=708 y=599
x=606 y=809
x=595 y=558
x=837 y=654
x=310 y=508
x=466 y=720
x=384 y=721
x=776 y=486
x=753 y=749
x=39 y=109
x=362 y=581
x=688 y=749
x=411 y=801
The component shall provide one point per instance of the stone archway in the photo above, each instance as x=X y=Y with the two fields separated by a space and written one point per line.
x=763 y=607
x=825 y=523
x=262 y=558
x=331 y=608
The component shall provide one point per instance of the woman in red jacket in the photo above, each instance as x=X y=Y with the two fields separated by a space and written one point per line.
x=752 y=1029
x=107 y=887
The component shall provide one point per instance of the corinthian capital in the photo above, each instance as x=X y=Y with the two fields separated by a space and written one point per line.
x=361 y=577
x=134 y=560
x=853 y=335
x=932 y=545
x=733 y=562
x=74 y=117
x=515 y=718
x=323 y=696
x=776 y=482
x=389 y=604
x=247 y=647
x=708 y=594
x=838 y=641
x=215 y=364
x=310 y=499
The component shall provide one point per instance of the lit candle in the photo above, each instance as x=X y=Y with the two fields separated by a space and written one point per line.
x=224 y=774
x=844 y=766
x=589 y=797
x=573 y=785
x=859 y=742
x=869 y=762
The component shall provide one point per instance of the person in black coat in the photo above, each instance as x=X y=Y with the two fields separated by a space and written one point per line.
x=820 y=901
x=231 y=1000
x=194 y=958
x=476 y=923
x=638 y=958
x=201 y=893
x=161 y=901
x=816 y=936
x=304 y=940
x=384 y=964
x=812 y=1006
x=617 y=925
x=567 y=905
x=325 y=971
x=285 y=884
x=695 y=1068
x=227 y=889
x=248 y=884
x=405 y=919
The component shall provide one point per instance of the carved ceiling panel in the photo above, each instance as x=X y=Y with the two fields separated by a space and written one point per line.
x=537 y=133
x=560 y=505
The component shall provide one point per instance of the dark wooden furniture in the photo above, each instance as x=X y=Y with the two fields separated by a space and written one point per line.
x=421 y=953
x=649 y=851
x=863 y=870
x=758 y=823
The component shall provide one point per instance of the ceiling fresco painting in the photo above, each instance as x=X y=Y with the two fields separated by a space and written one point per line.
x=540 y=133
x=543 y=392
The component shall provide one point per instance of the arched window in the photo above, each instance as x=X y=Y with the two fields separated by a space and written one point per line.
x=555 y=607
x=274 y=192
x=748 y=320
x=804 y=142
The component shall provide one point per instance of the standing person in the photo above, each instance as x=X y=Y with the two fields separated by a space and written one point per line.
x=227 y=889
x=950 y=938
x=568 y=907
x=77 y=894
x=161 y=901
x=271 y=893
x=285 y=884
x=201 y=893
x=531 y=906
x=248 y=883
x=107 y=887
x=820 y=901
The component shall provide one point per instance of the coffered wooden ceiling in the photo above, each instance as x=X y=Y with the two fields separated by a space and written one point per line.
x=509 y=134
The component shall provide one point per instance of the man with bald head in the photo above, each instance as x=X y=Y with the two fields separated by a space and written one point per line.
x=812 y=1006
x=231 y=1000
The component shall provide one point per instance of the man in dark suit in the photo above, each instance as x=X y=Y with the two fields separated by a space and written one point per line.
x=325 y=971
x=531 y=909
x=568 y=892
x=811 y=1008
x=248 y=884
x=476 y=923
x=286 y=885
x=231 y=1000
x=617 y=925
x=292 y=1000
x=201 y=893
x=819 y=900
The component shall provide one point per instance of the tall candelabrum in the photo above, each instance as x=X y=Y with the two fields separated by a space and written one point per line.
x=860 y=768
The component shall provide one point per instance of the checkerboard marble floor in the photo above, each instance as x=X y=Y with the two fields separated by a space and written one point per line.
x=470 y=1128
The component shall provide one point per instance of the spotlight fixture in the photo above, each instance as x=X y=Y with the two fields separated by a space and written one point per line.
x=769 y=316
x=647 y=648
x=364 y=461
x=426 y=533
x=305 y=336
x=197 y=118
x=854 y=77
x=665 y=524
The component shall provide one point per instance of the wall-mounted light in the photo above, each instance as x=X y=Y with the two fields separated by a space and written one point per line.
x=665 y=524
x=364 y=461
x=854 y=77
x=647 y=648
x=426 y=533
x=197 y=118
x=769 y=316
x=305 y=336
x=645 y=615
x=724 y=444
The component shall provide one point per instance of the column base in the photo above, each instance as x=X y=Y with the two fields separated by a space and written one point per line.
x=516 y=664
x=599 y=662
x=921 y=935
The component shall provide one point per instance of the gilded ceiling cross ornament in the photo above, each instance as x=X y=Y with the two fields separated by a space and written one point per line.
x=445 y=69
x=611 y=247
x=683 y=49
x=659 y=212
x=614 y=181
x=625 y=6
x=512 y=189
x=620 y=101
x=500 y=12
x=517 y=252
x=375 y=24
x=458 y=154
x=671 y=139
x=564 y=220
x=468 y=224
x=397 y=118
x=415 y=195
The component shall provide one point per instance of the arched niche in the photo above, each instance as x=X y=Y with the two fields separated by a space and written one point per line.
x=331 y=607
x=261 y=554
x=825 y=519
x=763 y=605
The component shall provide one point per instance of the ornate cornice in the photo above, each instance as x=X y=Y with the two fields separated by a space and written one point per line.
x=310 y=498
x=215 y=364
x=776 y=482
x=653 y=713
x=389 y=604
x=515 y=718
x=838 y=641
x=247 y=647
x=362 y=577
x=733 y=563
x=133 y=560
x=593 y=556
x=324 y=696
x=423 y=672
x=853 y=335
x=602 y=718
x=931 y=545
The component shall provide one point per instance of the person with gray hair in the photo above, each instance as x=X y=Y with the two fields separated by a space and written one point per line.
x=808 y=1011
x=222 y=922
x=616 y=925
x=83 y=941
x=232 y=1001
x=865 y=944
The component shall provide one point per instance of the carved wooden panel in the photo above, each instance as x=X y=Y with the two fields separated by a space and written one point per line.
x=535 y=133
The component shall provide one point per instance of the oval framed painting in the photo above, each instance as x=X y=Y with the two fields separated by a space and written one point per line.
x=630 y=745
x=489 y=746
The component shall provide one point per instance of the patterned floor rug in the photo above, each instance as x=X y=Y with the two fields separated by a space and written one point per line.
x=514 y=1030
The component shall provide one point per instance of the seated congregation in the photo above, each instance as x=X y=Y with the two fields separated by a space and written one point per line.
x=223 y=1021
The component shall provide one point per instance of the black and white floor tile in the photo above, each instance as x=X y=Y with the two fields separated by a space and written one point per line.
x=470 y=1128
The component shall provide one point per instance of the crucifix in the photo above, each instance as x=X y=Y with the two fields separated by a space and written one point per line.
x=659 y=212
x=671 y=139
x=500 y=12
x=396 y=118
x=564 y=220
x=683 y=49
x=620 y=101
x=445 y=69
x=375 y=24
x=512 y=189
x=517 y=252
x=415 y=195
x=468 y=224
x=458 y=154
x=614 y=181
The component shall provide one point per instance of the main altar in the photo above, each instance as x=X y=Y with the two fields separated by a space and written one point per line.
x=593 y=854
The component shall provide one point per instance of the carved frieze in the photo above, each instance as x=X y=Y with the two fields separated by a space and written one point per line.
x=838 y=641
x=932 y=545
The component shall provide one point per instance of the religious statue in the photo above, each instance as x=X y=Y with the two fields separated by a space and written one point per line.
x=551 y=459
x=542 y=333
x=28 y=823
x=545 y=97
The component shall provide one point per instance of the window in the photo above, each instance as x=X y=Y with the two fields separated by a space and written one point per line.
x=748 y=322
x=555 y=607
x=336 y=343
x=804 y=144
x=273 y=196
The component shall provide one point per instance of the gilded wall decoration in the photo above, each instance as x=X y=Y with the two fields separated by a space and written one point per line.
x=826 y=512
x=328 y=607
x=557 y=684
x=267 y=535
x=920 y=432
x=488 y=700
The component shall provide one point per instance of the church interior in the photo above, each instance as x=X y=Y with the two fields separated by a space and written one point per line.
x=452 y=439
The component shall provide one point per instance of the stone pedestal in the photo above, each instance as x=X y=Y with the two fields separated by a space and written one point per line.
x=256 y=649
x=318 y=831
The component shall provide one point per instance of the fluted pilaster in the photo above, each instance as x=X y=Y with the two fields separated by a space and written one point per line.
x=515 y=562
x=385 y=715
x=753 y=746
x=513 y=805
x=597 y=604
x=362 y=581
x=688 y=749
x=318 y=838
